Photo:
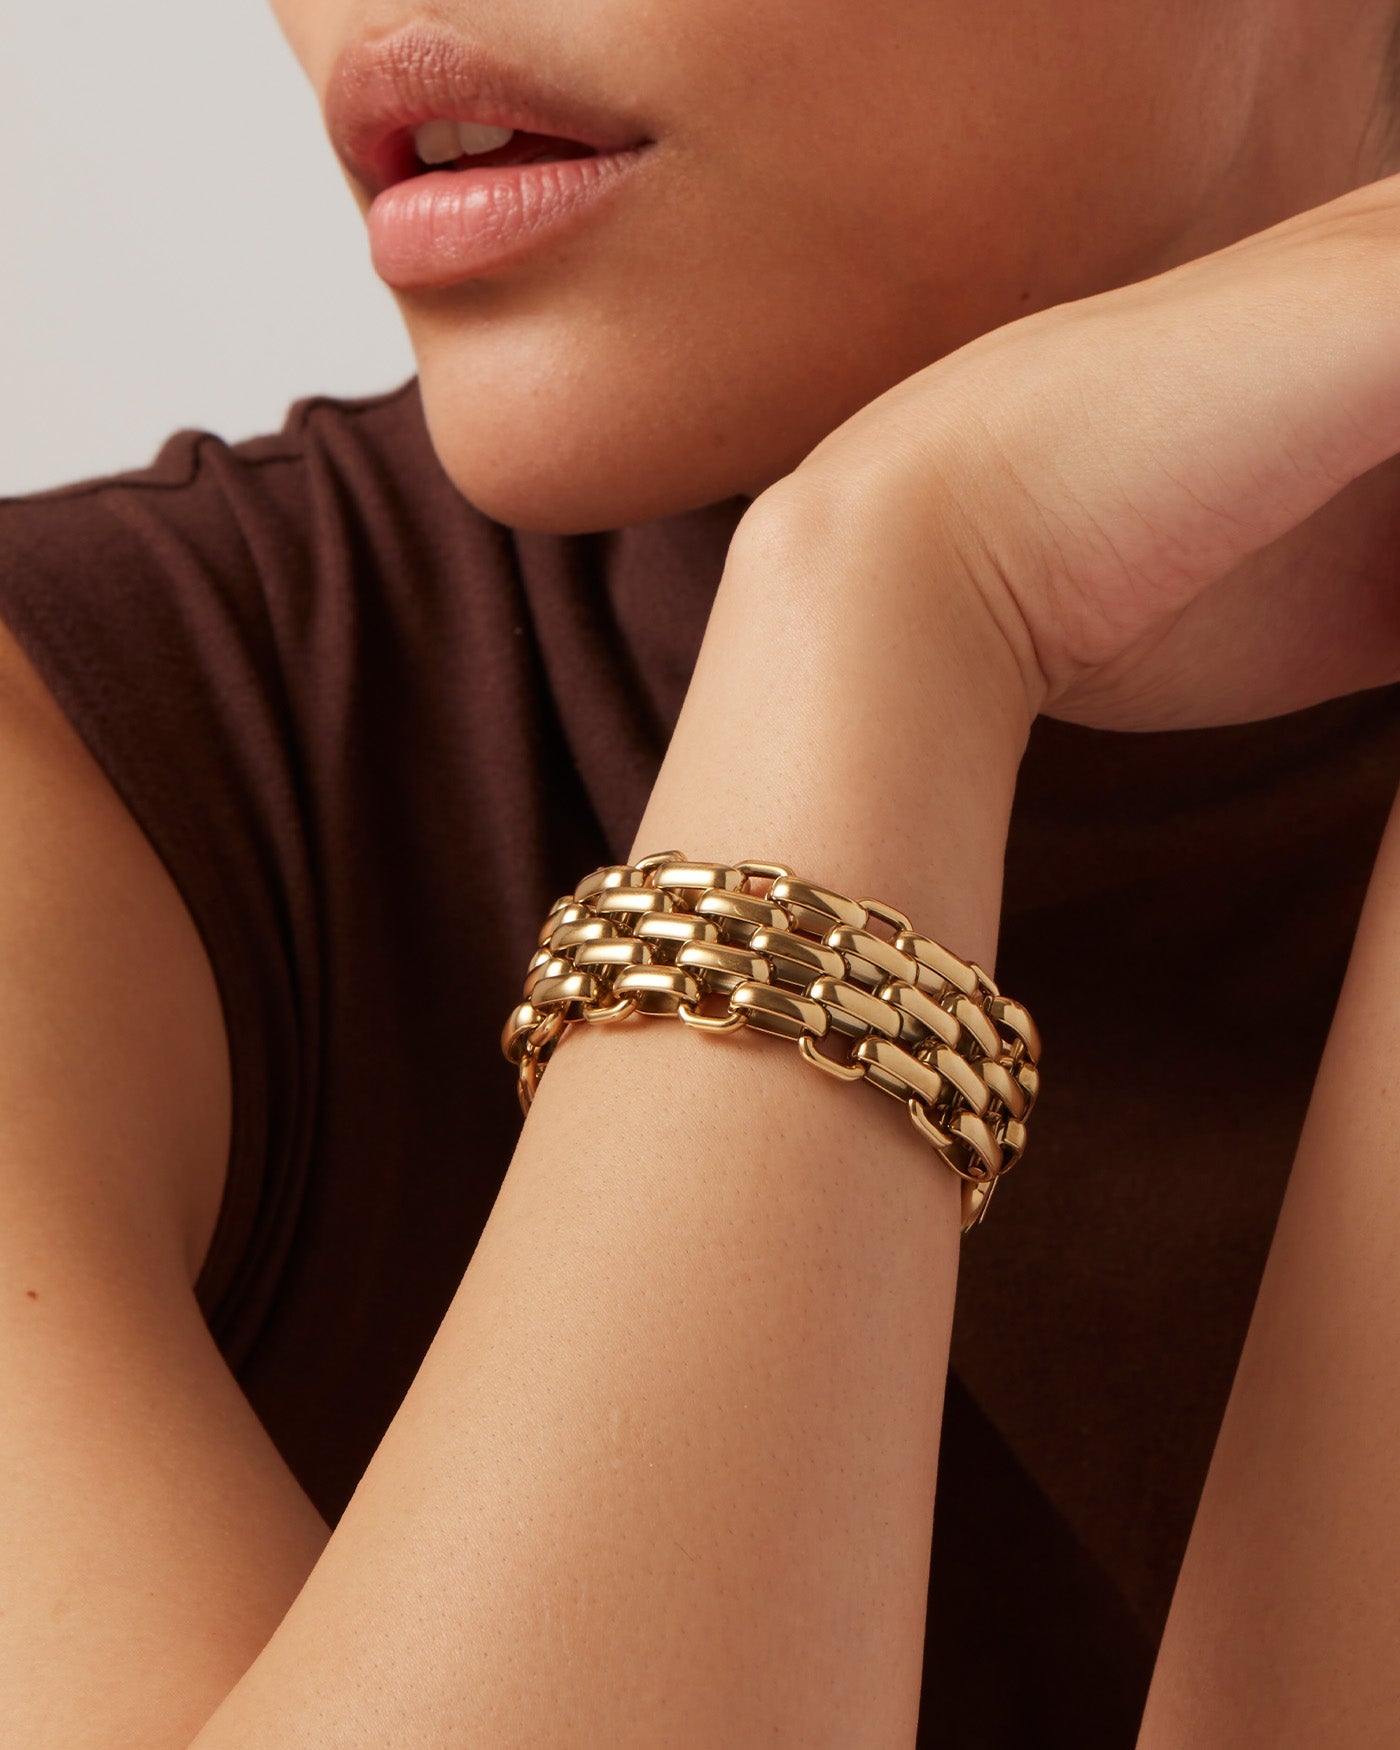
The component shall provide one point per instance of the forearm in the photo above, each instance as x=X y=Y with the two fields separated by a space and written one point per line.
x=1286 y=1617
x=667 y=1471
x=152 y=1536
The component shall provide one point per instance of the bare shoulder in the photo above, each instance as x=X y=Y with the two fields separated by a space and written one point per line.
x=114 y=1083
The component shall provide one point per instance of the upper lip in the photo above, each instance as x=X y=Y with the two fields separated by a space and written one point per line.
x=380 y=90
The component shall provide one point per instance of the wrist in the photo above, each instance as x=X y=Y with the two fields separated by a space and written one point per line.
x=865 y=733
x=857 y=540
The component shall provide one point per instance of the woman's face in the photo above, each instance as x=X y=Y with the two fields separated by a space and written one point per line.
x=838 y=193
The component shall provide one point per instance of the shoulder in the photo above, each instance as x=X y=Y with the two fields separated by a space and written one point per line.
x=161 y=648
x=187 y=650
x=114 y=1057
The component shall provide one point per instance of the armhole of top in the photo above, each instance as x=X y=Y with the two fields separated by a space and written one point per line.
x=229 y=1271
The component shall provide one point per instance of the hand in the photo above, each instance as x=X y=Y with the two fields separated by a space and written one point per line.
x=1152 y=488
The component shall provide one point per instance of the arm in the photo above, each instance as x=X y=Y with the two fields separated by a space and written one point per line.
x=1284 y=1625
x=668 y=1466
x=150 y=1534
x=666 y=1473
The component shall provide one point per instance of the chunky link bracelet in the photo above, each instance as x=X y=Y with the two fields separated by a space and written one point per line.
x=670 y=936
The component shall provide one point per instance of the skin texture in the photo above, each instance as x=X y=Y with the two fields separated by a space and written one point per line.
x=751 y=1565
x=665 y=1475
x=1296 y=1532
x=743 y=1558
x=1144 y=485
x=838 y=196
x=801 y=249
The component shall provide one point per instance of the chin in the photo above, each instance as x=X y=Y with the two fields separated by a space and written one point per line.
x=562 y=464
x=566 y=427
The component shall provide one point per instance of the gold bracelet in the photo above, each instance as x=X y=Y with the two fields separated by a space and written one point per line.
x=666 y=936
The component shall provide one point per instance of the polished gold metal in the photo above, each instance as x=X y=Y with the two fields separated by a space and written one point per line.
x=668 y=935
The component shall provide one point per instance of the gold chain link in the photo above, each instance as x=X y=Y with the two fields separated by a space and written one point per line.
x=667 y=935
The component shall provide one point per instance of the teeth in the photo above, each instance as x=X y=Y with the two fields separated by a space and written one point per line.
x=477 y=138
x=443 y=142
x=437 y=143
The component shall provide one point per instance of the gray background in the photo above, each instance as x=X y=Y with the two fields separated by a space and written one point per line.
x=177 y=244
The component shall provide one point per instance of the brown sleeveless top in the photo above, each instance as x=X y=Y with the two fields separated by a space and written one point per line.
x=373 y=735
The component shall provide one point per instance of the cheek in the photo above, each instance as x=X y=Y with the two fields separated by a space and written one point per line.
x=840 y=195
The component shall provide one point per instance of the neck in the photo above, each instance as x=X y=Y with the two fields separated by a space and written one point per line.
x=1318 y=117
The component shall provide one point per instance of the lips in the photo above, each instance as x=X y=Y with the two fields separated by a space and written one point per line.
x=380 y=91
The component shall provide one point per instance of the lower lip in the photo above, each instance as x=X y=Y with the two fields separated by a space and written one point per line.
x=451 y=225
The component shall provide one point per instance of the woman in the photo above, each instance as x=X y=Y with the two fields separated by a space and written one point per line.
x=733 y=406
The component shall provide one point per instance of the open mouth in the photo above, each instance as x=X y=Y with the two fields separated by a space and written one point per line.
x=466 y=162
x=426 y=101
x=453 y=145
x=459 y=146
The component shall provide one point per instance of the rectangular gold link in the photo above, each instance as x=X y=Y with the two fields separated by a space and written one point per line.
x=569 y=987
x=924 y=1018
x=629 y=902
x=971 y=1016
x=795 y=958
x=962 y=1075
x=515 y=1035
x=603 y=880
x=817 y=908
x=899 y=1072
x=620 y=951
x=563 y=911
x=870 y=959
x=1015 y=1017
x=980 y=1137
x=659 y=990
x=553 y=967
x=1013 y=1143
x=1004 y=1085
x=587 y=929
x=853 y=1010
x=720 y=967
x=939 y=961
x=697 y=875
x=783 y=1012
x=890 y=914
x=676 y=926
x=738 y=915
